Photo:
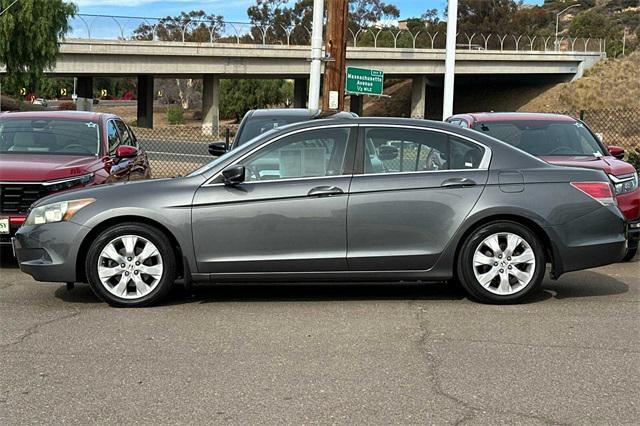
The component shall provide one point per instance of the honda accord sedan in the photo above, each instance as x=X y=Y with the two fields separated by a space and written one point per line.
x=340 y=200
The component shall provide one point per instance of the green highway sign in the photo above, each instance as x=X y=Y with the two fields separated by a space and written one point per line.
x=362 y=81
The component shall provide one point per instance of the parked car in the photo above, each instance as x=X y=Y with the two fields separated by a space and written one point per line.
x=491 y=215
x=563 y=140
x=42 y=153
x=258 y=121
x=40 y=101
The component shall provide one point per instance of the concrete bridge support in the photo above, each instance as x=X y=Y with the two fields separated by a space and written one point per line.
x=418 y=96
x=211 y=104
x=145 y=101
x=300 y=93
x=84 y=102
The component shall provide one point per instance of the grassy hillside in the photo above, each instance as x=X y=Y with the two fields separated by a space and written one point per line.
x=612 y=83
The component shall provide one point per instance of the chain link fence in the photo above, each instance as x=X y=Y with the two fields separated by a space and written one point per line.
x=178 y=150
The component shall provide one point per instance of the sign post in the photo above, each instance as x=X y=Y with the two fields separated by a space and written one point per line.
x=363 y=81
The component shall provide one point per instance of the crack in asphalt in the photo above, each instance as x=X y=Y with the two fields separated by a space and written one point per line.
x=471 y=411
x=34 y=329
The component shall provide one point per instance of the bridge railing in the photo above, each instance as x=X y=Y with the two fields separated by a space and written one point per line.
x=112 y=27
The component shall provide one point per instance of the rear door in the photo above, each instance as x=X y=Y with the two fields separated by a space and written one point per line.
x=411 y=191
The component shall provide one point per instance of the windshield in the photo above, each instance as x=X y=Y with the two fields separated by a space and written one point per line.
x=257 y=126
x=49 y=136
x=545 y=138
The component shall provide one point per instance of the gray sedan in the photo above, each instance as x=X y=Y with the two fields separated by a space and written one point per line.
x=340 y=200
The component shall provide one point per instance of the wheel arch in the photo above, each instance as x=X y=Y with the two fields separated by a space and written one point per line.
x=118 y=220
x=531 y=224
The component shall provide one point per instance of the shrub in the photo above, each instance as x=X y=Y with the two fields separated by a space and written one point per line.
x=175 y=115
x=633 y=157
x=67 y=106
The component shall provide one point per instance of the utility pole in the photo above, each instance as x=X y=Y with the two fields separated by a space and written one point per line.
x=336 y=49
x=316 y=54
x=450 y=59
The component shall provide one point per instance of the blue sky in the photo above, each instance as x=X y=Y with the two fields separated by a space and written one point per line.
x=232 y=10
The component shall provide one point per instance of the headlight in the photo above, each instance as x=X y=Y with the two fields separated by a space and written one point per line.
x=626 y=184
x=56 y=212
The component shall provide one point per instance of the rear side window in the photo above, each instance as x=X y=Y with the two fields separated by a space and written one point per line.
x=397 y=150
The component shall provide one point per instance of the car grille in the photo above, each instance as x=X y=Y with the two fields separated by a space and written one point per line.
x=16 y=198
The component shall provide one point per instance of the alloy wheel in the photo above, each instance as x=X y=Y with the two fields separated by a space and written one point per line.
x=130 y=267
x=504 y=263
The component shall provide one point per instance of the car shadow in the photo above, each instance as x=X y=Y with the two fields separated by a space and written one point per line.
x=7 y=261
x=585 y=284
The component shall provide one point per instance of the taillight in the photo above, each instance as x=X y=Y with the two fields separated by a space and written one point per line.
x=602 y=192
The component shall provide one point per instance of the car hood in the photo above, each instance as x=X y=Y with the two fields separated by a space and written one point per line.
x=609 y=165
x=39 y=168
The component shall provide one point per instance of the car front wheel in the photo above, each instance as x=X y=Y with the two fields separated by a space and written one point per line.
x=501 y=262
x=131 y=265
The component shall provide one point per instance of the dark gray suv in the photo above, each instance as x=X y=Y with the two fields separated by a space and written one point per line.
x=342 y=200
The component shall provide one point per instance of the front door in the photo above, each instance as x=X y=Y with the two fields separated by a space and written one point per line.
x=413 y=190
x=289 y=215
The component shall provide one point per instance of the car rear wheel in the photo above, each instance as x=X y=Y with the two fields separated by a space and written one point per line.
x=501 y=262
x=131 y=265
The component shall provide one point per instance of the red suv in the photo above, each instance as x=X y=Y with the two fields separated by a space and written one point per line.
x=46 y=152
x=562 y=140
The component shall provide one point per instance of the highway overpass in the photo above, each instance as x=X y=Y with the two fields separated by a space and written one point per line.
x=85 y=59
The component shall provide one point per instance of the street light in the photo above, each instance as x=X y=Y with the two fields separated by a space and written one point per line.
x=558 y=19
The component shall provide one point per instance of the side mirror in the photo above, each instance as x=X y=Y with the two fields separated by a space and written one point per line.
x=126 y=151
x=217 y=148
x=387 y=152
x=616 y=151
x=233 y=175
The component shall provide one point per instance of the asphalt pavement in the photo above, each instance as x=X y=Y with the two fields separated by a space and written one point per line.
x=381 y=354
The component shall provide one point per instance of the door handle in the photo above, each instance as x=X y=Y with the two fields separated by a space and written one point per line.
x=457 y=182
x=324 y=191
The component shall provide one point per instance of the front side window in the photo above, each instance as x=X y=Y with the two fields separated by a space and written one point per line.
x=313 y=153
x=125 y=136
x=112 y=137
x=49 y=136
x=397 y=150
x=545 y=138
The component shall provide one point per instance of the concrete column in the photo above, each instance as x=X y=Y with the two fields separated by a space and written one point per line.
x=145 y=101
x=356 y=104
x=84 y=102
x=210 y=104
x=300 y=93
x=418 y=96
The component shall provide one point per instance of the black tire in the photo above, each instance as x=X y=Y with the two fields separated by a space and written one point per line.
x=153 y=235
x=465 y=271
x=631 y=253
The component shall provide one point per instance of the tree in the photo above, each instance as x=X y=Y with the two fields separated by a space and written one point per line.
x=239 y=96
x=29 y=34
x=364 y=13
x=195 y=26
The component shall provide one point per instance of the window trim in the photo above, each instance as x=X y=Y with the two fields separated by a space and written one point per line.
x=360 y=151
x=350 y=141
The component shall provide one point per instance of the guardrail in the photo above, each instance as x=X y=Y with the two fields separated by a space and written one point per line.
x=110 y=27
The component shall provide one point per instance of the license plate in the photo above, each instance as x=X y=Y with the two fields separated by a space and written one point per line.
x=4 y=225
